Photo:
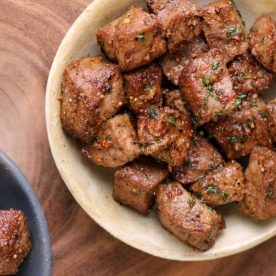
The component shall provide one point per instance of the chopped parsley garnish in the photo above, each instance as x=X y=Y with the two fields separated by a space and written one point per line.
x=140 y=37
x=109 y=138
x=233 y=31
x=236 y=139
x=218 y=114
x=239 y=100
x=141 y=192
x=215 y=65
x=269 y=194
x=149 y=87
x=147 y=144
x=200 y=177
x=206 y=98
x=207 y=83
x=264 y=114
x=224 y=196
x=263 y=40
x=172 y=120
x=212 y=190
x=210 y=208
x=153 y=113
x=191 y=203
x=189 y=165
x=253 y=104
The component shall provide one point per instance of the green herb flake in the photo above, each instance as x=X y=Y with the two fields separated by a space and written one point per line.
x=108 y=88
x=239 y=100
x=212 y=190
x=224 y=196
x=210 y=209
x=218 y=114
x=149 y=87
x=207 y=83
x=269 y=194
x=236 y=139
x=140 y=37
x=153 y=113
x=172 y=120
x=263 y=40
x=253 y=104
x=189 y=165
x=233 y=31
x=191 y=203
x=141 y=192
x=109 y=138
x=264 y=114
x=215 y=65
x=200 y=177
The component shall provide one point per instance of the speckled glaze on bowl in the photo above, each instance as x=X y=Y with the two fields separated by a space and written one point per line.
x=92 y=186
x=16 y=193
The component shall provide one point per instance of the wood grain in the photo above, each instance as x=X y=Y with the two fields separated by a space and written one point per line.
x=30 y=33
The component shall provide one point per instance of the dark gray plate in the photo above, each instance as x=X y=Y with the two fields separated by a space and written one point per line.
x=16 y=193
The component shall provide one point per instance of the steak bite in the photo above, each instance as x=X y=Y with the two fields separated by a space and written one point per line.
x=174 y=100
x=240 y=132
x=262 y=41
x=272 y=118
x=186 y=217
x=224 y=29
x=92 y=92
x=133 y=40
x=206 y=86
x=136 y=182
x=180 y=20
x=173 y=63
x=248 y=76
x=221 y=186
x=202 y=158
x=116 y=143
x=166 y=134
x=143 y=88
x=15 y=243
x=260 y=181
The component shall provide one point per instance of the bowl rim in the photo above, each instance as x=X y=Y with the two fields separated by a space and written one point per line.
x=58 y=161
x=26 y=188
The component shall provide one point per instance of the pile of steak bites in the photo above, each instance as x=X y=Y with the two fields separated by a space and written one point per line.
x=170 y=82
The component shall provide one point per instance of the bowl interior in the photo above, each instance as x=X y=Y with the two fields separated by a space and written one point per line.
x=92 y=186
x=16 y=193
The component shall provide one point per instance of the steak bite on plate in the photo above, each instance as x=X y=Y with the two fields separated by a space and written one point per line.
x=221 y=186
x=173 y=63
x=133 y=40
x=272 y=118
x=180 y=20
x=206 y=86
x=92 y=92
x=116 y=143
x=135 y=183
x=240 y=132
x=166 y=134
x=143 y=88
x=15 y=243
x=224 y=29
x=202 y=159
x=186 y=217
x=262 y=41
x=248 y=76
x=260 y=182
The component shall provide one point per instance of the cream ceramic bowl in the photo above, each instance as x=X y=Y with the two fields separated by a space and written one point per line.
x=92 y=186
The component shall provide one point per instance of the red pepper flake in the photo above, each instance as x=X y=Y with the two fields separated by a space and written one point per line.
x=106 y=144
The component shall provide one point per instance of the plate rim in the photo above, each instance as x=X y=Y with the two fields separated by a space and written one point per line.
x=200 y=257
x=27 y=189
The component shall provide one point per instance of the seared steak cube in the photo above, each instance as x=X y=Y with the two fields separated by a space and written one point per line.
x=221 y=186
x=180 y=20
x=241 y=131
x=248 y=76
x=272 y=118
x=92 y=92
x=186 y=217
x=143 y=88
x=224 y=29
x=136 y=182
x=15 y=243
x=262 y=41
x=173 y=63
x=165 y=134
x=260 y=182
x=174 y=100
x=116 y=143
x=202 y=159
x=133 y=40
x=206 y=86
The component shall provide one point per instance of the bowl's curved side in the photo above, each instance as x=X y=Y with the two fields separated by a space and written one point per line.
x=19 y=195
x=90 y=185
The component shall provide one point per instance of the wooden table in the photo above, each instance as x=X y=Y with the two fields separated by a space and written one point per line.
x=30 y=33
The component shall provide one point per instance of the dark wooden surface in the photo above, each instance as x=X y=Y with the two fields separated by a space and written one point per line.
x=30 y=33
